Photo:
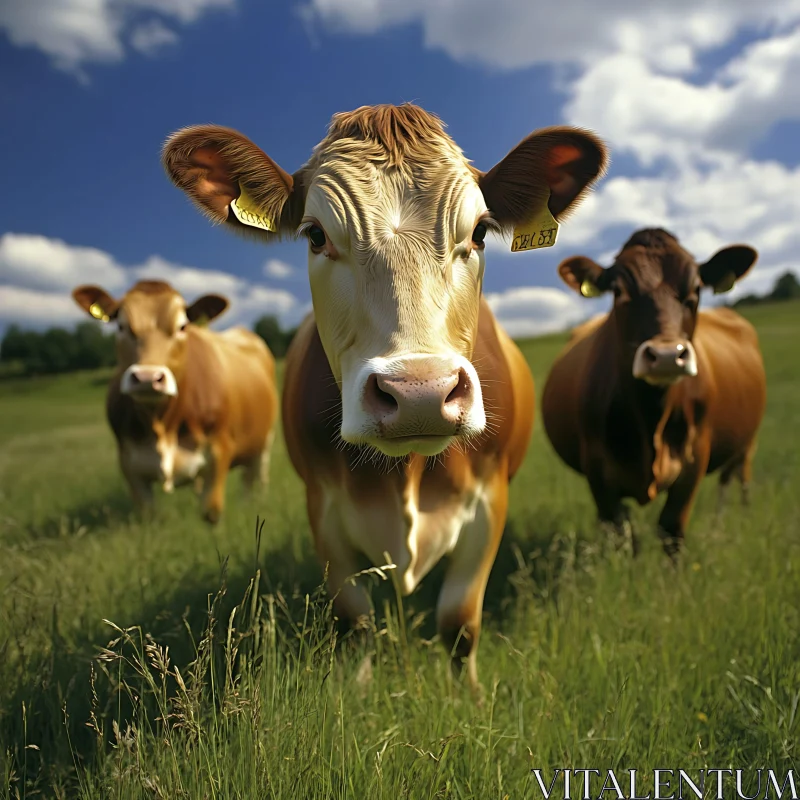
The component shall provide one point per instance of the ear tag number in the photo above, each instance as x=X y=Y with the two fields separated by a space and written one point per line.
x=248 y=213
x=539 y=231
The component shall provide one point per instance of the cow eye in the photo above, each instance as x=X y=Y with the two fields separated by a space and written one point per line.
x=317 y=238
x=479 y=234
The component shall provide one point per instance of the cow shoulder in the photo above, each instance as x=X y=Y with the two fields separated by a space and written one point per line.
x=580 y=389
x=248 y=345
x=724 y=325
x=507 y=386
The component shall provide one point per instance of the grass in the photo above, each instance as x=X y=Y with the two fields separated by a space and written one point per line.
x=172 y=659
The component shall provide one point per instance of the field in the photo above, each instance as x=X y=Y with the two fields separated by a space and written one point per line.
x=224 y=679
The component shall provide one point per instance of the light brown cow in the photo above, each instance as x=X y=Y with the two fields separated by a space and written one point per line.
x=402 y=360
x=655 y=395
x=185 y=404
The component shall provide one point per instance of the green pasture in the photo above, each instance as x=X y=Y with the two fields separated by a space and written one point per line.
x=177 y=660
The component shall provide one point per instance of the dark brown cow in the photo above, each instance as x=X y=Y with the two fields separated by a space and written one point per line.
x=185 y=404
x=655 y=395
x=402 y=360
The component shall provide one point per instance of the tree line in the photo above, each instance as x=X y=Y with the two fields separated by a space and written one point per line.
x=88 y=346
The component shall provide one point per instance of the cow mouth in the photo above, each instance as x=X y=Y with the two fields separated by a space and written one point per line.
x=149 y=397
x=423 y=444
x=663 y=381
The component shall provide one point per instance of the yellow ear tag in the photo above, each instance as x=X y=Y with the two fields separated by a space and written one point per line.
x=726 y=284
x=540 y=231
x=98 y=313
x=588 y=289
x=247 y=212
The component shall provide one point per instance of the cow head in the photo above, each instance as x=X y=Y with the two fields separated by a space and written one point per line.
x=152 y=321
x=395 y=220
x=656 y=286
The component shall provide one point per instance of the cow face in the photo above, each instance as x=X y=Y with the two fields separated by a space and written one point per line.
x=395 y=221
x=152 y=322
x=656 y=286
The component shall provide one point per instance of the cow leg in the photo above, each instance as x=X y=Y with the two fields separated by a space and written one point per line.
x=678 y=506
x=740 y=467
x=459 y=609
x=256 y=471
x=612 y=512
x=746 y=473
x=141 y=490
x=351 y=602
x=725 y=476
x=213 y=499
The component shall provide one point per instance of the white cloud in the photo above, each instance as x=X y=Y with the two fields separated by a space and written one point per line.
x=274 y=268
x=37 y=276
x=533 y=310
x=518 y=33
x=151 y=37
x=36 y=262
x=32 y=308
x=642 y=110
x=75 y=32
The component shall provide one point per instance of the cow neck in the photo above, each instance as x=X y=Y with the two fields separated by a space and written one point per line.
x=667 y=424
x=145 y=420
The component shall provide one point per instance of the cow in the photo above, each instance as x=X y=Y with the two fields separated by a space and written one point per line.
x=406 y=408
x=185 y=404
x=655 y=394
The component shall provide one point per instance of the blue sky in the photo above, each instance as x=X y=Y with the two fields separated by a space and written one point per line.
x=699 y=103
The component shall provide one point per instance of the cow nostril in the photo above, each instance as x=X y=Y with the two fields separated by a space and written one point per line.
x=378 y=398
x=650 y=355
x=461 y=391
x=134 y=377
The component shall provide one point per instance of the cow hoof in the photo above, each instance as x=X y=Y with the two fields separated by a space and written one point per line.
x=212 y=515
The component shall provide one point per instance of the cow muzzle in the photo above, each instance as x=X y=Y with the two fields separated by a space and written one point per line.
x=663 y=363
x=416 y=404
x=149 y=383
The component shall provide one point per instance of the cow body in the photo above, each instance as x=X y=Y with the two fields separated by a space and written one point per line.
x=414 y=512
x=406 y=408
x=211 y=406
x=634 y=438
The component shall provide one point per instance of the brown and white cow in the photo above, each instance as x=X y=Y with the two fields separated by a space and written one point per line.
x=654 y=395
x=406 y=408
x=185 y=403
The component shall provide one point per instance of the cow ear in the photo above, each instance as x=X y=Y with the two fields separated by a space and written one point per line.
x=582 y=275
x=96 y=302
x=727 y=266
x=233 y=181
x=206 y=308
x=554 y=166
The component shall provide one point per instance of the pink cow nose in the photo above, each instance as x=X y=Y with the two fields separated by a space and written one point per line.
x=145 y=377
x=413 y=405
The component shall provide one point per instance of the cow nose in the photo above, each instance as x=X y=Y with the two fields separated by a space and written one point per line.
x=664 y=361
x=142 y=380
x=411 y=405
x=146 y=378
